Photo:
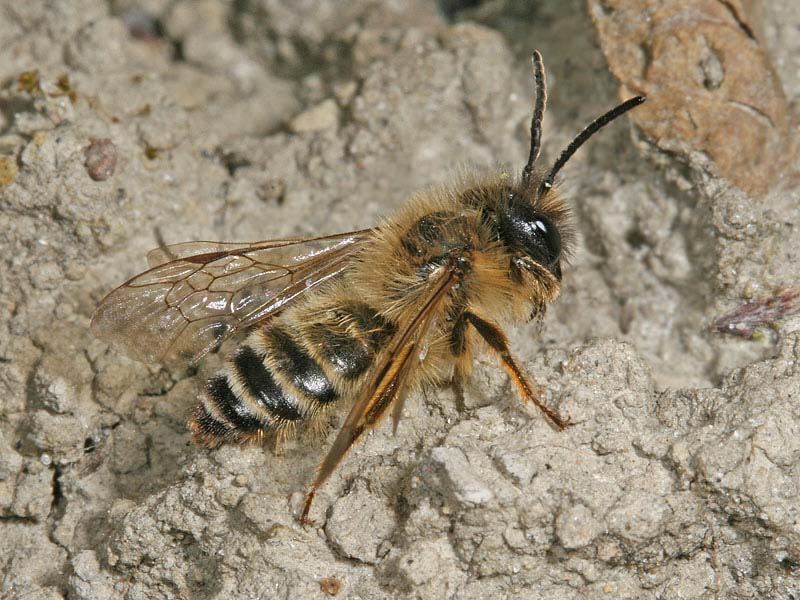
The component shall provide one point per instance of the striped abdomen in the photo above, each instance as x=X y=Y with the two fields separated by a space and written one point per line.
x=288 y=372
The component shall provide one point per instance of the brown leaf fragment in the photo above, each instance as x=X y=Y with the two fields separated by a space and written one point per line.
x=710 y=86
x=764 y=312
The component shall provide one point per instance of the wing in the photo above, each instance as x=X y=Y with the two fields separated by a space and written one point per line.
x=164 y=254
x=390 y=378
x=198 y=293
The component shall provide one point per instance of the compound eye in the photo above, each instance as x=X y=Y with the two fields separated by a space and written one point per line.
x=545 y=235
x=522 y=228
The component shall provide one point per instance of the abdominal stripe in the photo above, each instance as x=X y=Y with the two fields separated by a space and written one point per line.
x=262 y=387
x=236 y=412
x=349 y=341
x=298 y=366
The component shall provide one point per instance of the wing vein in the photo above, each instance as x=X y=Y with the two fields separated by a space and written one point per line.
x=388 y=382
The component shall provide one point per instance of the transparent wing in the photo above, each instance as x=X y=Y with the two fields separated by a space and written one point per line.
x=387 y=385
x=198 y=293
x=164 y=254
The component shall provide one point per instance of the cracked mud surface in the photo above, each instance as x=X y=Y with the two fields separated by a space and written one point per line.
x=127 y=125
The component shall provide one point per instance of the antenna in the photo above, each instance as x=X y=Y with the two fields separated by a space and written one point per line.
x=538 y=112
x=584 y=135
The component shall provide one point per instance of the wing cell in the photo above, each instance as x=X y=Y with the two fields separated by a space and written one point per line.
x=198 y=293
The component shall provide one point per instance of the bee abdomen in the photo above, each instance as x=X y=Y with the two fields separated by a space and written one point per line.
x=345 y=354
x=261 y=390
x=243 y=403
x=349 y=339
x=222 y=416
x=297 y=366
x=283 y=375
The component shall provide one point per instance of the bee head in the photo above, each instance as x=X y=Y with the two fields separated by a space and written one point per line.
x=532 y=217
x=525 y=227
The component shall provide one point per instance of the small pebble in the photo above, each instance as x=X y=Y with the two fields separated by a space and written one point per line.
x=323 y=116
x=101 y=159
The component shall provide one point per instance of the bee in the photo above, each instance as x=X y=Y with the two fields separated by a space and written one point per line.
x=361 y=317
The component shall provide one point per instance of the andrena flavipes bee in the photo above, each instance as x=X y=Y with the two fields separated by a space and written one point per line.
x=360 y=318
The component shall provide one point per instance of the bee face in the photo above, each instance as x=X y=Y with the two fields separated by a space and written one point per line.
x=530 y=232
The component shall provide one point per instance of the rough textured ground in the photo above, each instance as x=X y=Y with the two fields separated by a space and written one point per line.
x=124 y=125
